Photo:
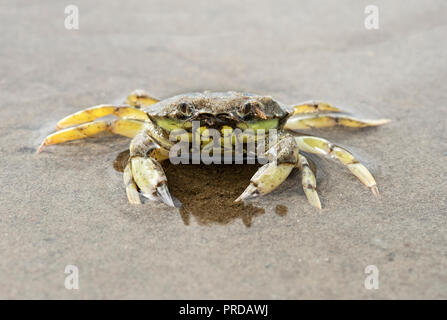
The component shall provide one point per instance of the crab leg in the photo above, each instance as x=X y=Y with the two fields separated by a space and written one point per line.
x=140 y=98
x=128 y=128
x=92 y=113
x=323 y=147
x=271 y=175
x=309 y=182
x=299 y=122
x=313 y=107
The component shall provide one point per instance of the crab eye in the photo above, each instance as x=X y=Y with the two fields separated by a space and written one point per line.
x=185 y=109
x=246 y=108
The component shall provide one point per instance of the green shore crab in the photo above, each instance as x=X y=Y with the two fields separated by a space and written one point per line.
x=150 y=122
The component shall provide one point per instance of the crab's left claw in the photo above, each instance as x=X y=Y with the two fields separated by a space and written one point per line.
x=250 y=192
x=283 y=158
x=266 y=179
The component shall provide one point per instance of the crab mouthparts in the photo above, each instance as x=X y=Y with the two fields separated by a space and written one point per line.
x=217 y=121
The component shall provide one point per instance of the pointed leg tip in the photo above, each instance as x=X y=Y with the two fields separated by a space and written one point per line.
x=134 y=201
x=134 y=198
x=375 y=191
x=316 y=205
x=381 y=122
x=313 y=199
x=41 y=147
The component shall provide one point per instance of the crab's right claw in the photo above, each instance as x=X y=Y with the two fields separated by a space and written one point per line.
x=150 y=178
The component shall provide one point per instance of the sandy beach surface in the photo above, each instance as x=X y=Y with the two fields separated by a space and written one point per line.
x=67 y=205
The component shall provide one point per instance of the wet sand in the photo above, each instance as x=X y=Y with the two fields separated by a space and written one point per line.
x=68 y=204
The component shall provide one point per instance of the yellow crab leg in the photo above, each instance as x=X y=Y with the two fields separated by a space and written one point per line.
x=329 y=120
x=323 y=147
x=128 y=128
x=90 y=114
x=309 y=182
x=313 y=107
x=140 y=98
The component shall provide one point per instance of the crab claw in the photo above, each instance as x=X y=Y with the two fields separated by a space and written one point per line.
x=266 y=179
x=164 y=195
x=150 y=179
x=250 y=192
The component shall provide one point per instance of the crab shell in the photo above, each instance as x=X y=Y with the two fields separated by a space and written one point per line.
x=218 y=109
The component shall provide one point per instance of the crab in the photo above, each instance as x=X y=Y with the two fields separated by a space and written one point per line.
x=149 y=122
